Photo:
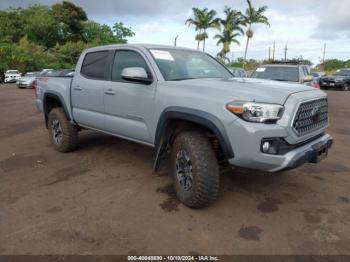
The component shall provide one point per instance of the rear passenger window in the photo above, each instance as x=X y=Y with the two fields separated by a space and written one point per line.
x=124 y=59
x=95 y=65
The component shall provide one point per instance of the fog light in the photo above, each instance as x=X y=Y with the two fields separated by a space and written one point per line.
x=266 y=147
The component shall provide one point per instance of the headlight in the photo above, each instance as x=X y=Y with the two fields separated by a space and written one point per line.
x=256 y=112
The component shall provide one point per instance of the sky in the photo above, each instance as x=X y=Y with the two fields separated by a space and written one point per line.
x=303 y=25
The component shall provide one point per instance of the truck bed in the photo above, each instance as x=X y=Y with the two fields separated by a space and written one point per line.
x=59 y=86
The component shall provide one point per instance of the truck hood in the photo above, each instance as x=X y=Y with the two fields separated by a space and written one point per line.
x=247 y=89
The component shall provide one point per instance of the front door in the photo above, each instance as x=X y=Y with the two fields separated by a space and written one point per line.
x=129 y=106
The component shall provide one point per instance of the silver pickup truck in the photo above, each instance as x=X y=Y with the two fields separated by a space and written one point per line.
x=189 y=108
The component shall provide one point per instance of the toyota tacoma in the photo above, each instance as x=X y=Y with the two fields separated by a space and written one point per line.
x=190 y=108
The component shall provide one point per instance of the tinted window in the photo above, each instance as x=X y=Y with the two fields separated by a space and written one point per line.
x=279 y=73
x=306 y=71
x=95 y=65
x=124 y=59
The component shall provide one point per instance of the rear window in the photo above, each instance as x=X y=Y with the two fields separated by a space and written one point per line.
x=279 y=73
x=95 y=65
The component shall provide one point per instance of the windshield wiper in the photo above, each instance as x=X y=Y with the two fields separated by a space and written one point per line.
x=282 y=80
x=180 y=79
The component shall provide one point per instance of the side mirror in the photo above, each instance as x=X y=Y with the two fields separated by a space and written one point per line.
x=136 y=74
x=308 y=79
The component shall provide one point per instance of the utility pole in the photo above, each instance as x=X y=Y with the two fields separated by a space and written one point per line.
x=285 y=53
x=273 y=50
x=269 y=53
x=324 y=53
x=175 y=40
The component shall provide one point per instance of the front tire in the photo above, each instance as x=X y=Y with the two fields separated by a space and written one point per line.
x=195 y=170
x=346 y=87
x=63 y=135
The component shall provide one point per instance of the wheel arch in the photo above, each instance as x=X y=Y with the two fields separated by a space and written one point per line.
x=52 y=100
x=197 y=117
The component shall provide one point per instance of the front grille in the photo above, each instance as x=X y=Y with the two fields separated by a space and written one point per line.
x=311 y=116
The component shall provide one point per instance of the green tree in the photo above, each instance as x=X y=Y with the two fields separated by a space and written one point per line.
x=122 y=32
x=71 y=18
x=99 y=34
x=203 y=20
x=232 y=28
x=333 y=64
x=6 y=53
x=67 y=55
x=253 y=16
x=11 y=25
x=40 y=26
x=27 y=56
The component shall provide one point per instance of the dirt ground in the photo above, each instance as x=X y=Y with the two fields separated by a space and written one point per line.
x=104 y=199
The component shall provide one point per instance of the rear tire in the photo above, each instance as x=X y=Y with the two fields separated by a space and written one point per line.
x=63 y=135
x=193 y=156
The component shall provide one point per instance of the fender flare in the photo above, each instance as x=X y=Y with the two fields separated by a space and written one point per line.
x=59 y=98
x=196 y=116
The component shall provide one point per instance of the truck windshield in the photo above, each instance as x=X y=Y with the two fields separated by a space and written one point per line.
x=279 y=73
x=177 y=64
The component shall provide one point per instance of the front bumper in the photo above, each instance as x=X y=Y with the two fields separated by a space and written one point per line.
x=19 y=84
x=332 y=84
x=311 y=152
x=10 y=80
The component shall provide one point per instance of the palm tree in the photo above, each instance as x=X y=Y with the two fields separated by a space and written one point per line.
x=203 y=20
x=226 y=39
x=232 y=28
x=253 y=16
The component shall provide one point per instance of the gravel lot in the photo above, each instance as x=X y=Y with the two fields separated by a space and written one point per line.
x=104 y=199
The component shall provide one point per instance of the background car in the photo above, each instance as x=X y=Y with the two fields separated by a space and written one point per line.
x=11 y=76
x=341 y=79
x=238 y=72
x=286 y=72
x=57 y=73
x=27 y=80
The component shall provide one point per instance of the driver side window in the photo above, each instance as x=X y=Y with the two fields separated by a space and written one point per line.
x=124 y=59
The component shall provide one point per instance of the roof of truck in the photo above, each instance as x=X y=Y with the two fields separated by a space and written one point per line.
x=147 y=46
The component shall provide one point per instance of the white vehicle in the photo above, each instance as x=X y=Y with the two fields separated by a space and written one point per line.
x=11 y=76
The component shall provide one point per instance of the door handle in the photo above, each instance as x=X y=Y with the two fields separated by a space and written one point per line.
x=77 y=88
x=110 y=92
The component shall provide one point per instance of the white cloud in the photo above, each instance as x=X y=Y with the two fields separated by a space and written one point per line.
x=152 y=27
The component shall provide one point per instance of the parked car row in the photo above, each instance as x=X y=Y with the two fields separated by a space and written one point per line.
x=28 y=79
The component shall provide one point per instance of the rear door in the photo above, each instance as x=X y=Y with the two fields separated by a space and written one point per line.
x=129 y=106
x=87 y=91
